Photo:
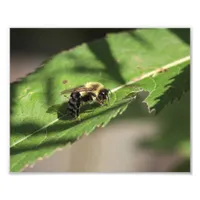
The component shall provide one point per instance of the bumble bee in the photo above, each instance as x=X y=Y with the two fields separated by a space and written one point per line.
x=90 y=92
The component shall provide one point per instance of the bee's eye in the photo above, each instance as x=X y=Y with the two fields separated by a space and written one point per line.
x=104 y=92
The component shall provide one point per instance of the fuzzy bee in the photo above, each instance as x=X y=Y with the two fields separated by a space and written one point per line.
x=90 y=92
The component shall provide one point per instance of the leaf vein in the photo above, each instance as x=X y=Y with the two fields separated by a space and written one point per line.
x=149 y=74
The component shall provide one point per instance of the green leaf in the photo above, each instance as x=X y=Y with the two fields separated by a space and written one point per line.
x=151 y=58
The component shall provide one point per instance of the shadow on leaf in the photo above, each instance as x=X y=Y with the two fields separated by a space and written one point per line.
x=180 y=85
x=139 y=38
x=62 y=125
x=103 y=53
x=182 y=33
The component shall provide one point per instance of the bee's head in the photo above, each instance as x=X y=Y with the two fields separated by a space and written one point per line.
x=103 y=94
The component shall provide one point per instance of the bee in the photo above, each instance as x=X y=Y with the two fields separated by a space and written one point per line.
x=90 y=92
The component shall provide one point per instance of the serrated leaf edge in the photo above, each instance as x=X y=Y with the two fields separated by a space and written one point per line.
x=149 y=74
x=119 y=111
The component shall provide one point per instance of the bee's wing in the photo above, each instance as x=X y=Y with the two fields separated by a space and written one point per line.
x=84 y=89
x=77 y=89
x=66 y=91
x=70 y=90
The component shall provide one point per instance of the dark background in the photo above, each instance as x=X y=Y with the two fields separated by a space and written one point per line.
x=50 y=41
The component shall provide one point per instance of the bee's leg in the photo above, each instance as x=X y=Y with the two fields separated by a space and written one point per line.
x=99 y=101
x=66 y=97
x=92 y=94
x=76 y=115
x=61 y=114
x=78 y=104
x=77 y=118
x=88 y=98
x=96 y=98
